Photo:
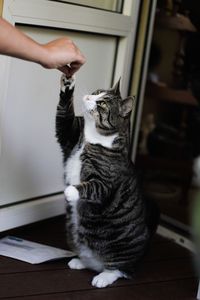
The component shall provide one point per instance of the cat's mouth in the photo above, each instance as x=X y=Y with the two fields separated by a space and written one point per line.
x=87 y=98
x=89 y=103
x=92 y=99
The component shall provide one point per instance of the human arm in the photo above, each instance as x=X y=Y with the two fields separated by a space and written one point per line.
x=60 y=54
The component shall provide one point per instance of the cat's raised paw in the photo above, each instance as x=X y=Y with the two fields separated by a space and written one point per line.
x=71 y=193
x=106 y=278
x=76 y=264
x=67 y=82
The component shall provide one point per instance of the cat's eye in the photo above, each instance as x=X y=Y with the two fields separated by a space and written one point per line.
x=97 y=92
x=102 y=104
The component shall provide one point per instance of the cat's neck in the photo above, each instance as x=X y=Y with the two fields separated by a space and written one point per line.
x=92 y=136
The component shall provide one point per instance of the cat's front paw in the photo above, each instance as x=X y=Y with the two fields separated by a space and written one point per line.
x=71 y=193
x=67 y=83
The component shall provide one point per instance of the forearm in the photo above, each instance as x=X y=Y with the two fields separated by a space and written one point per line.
x=15 y=43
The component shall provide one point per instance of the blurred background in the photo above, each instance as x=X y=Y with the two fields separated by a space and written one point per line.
x=168 y=149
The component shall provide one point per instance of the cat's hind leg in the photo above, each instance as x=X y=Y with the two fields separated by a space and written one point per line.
x=76 y=264
x=106 y=278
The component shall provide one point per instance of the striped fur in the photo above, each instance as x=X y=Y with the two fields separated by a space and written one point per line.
x=106 y=224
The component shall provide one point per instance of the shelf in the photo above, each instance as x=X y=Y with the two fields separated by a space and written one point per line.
x=170 y=95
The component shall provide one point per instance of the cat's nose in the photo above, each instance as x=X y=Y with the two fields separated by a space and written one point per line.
x=87 y=97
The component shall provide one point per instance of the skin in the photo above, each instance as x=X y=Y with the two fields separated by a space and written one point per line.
x=61 y=54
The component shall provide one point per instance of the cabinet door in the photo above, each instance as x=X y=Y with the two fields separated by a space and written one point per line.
x=30 y=158
x=31 y=161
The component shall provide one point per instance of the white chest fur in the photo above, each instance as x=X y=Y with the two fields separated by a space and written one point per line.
x=93 y=137
x=73 y=167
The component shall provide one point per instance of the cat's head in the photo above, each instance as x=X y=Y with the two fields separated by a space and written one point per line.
x=108 y=110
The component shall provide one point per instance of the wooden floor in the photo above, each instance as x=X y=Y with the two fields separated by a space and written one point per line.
x=167 y=273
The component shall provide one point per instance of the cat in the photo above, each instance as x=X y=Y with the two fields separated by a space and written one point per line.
x=106 y=218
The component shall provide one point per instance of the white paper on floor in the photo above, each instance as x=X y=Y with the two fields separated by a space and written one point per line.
x=30 y=252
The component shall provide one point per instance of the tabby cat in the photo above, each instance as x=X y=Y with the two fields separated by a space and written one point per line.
x=106 y=215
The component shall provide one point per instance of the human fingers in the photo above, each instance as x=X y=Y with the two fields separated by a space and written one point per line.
x=60 y=53
x=69 y=70
x=65 y=70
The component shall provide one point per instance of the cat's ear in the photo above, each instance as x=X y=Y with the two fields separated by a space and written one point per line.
x=116 y=87
x=126 y=106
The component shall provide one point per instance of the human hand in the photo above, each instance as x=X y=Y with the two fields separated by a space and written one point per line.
x=62 y=54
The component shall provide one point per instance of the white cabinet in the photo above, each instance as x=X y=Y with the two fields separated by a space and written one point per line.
x=31 y=160
x=31 y=173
